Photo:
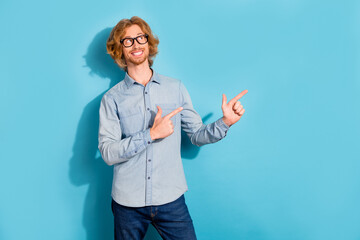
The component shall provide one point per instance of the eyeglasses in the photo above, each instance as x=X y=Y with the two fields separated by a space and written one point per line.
x=128 y=42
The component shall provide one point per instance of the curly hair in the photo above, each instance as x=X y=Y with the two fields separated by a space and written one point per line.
x=114 y=47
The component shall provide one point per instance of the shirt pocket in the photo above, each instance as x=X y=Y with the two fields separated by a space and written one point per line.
x=168 y=108
x=131 y=121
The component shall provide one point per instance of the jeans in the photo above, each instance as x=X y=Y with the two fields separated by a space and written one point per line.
x=171 y=220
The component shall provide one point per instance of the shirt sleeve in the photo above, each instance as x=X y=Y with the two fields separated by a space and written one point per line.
x=191 y=122
x=112 y=147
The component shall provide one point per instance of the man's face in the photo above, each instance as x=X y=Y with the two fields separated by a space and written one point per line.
x=137 y=53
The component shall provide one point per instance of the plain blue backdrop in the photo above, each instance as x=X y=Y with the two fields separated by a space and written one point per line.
x=288 y=170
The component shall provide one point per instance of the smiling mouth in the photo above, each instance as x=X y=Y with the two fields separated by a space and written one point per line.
x=137 y=53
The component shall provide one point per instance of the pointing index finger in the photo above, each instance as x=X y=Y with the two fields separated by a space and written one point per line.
x=240 y=95
x=173 y=113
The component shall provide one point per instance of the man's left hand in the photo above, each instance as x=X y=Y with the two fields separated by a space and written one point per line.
x=233 y=110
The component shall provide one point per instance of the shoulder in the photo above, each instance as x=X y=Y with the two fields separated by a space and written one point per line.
x=171 y=82
x=167 y=79
x=114 y=91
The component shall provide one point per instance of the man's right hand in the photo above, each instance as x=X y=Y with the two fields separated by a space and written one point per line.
x=163 y=126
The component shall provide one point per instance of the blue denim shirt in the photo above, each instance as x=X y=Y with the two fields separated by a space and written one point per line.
x=148 y=172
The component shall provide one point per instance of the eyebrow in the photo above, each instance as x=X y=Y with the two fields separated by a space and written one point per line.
x=137 y=35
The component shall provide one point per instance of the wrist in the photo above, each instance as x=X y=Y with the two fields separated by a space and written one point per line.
x=226 y=122
x=152 y=135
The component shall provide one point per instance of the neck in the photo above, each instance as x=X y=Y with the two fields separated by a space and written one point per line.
x=140 y=73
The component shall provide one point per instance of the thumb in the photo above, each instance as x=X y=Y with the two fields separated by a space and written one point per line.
x=224 y=100
x=158 y=114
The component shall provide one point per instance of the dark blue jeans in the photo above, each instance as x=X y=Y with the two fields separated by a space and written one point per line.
x=171 y=220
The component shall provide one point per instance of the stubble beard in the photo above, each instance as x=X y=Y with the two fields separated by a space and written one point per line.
x=138 y=61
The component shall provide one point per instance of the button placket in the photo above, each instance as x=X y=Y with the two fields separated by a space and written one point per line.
x=149 y=150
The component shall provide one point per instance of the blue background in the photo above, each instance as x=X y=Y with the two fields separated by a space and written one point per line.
x=289 y=169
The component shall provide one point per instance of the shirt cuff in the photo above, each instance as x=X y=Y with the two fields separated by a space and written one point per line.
x=147 y=137
x=222 y=125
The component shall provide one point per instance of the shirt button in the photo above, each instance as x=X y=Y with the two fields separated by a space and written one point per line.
x=135 y=151
x=145 y=92
x=149 y=142
x=148 y=177
x=148 y=109
x=149 y=160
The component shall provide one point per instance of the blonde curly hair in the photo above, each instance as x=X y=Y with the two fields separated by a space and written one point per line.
x=114 y=47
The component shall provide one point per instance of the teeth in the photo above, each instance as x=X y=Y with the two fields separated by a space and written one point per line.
x=137 y=53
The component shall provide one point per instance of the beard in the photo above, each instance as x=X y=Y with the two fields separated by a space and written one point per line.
x=137 y=60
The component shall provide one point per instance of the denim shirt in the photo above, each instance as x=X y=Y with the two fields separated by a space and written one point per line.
x=148 y=172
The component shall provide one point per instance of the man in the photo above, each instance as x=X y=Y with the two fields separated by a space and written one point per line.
x=139 y=133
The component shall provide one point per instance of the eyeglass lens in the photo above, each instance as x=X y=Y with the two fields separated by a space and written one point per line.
x=128 y=42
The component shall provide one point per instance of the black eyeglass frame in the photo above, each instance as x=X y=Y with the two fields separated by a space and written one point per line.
x=135 y=38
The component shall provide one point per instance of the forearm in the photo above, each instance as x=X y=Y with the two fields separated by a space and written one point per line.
x=118 y=151
x=209 y=133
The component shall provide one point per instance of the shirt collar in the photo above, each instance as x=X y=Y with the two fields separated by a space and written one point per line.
x=154 y=78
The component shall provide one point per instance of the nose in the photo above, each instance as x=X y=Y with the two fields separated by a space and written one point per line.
x=136 y=44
